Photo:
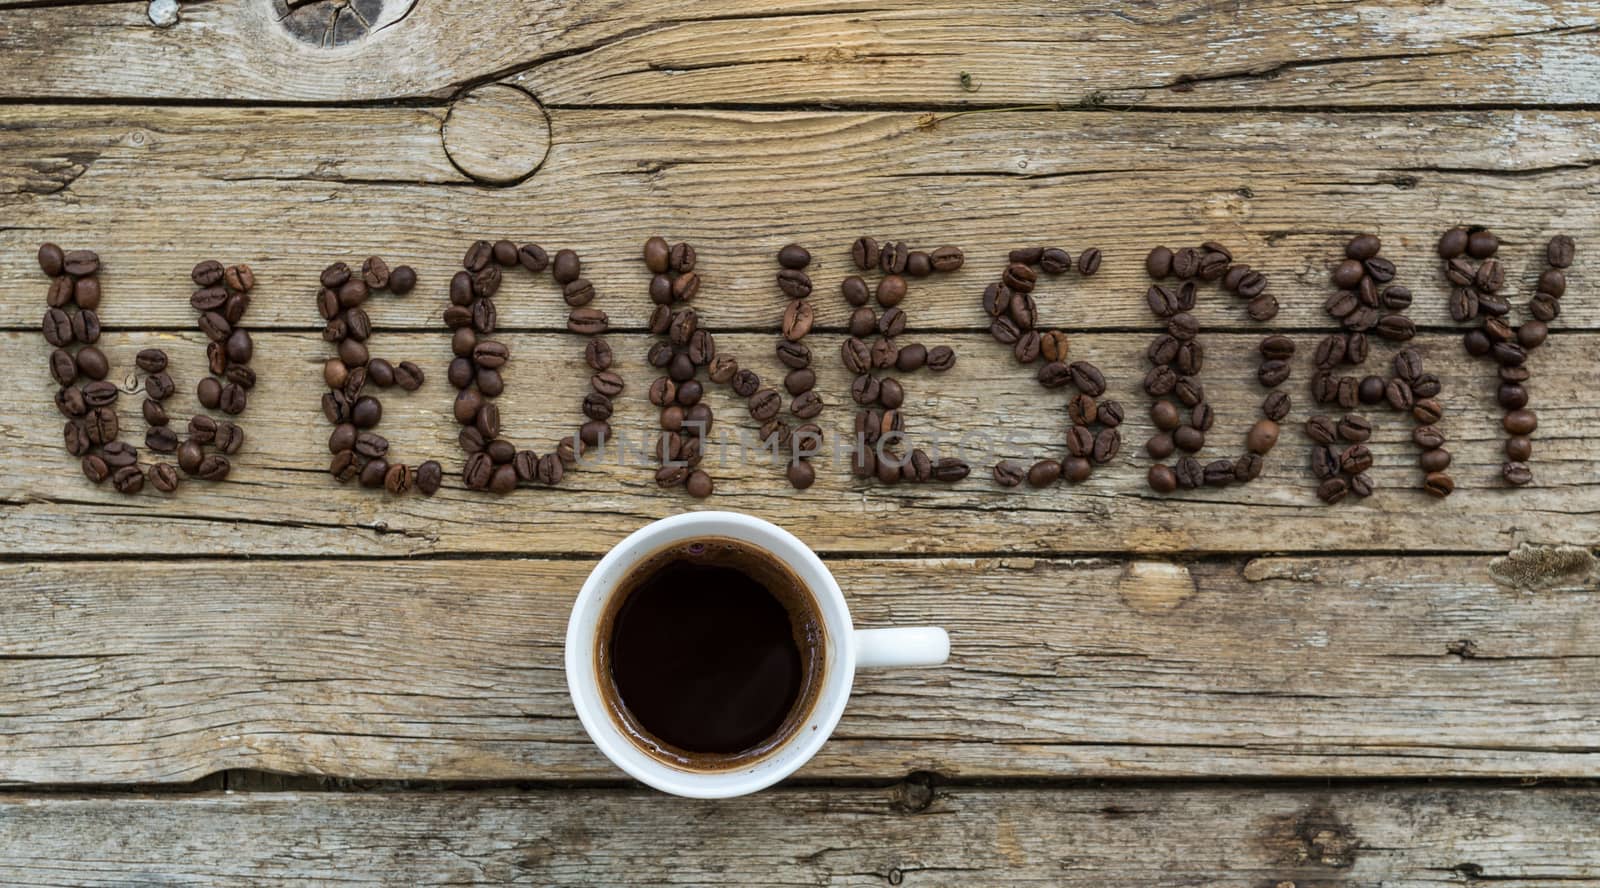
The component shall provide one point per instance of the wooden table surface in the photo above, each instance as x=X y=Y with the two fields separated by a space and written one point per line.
x=278 y=677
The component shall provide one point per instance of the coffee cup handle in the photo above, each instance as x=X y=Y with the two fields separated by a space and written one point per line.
x=909 y=646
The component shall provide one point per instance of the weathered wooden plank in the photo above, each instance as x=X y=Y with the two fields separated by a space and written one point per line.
x=1189 y=54
x=1416 y=666
x=1406 y=837
x=289 y=190
x=280 y=500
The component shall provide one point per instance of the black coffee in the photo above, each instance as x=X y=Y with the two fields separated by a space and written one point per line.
x=711 y=654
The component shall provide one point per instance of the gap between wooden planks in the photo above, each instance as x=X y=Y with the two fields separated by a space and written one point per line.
x=1186 y=55
x=286 y=190
x=128 y=672
x=912 y=834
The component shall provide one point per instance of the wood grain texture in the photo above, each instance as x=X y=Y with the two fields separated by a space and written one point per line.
x=451 y=670
x=288 y=190
x=1189 y=54
x=1404 y=837
x=280 y=499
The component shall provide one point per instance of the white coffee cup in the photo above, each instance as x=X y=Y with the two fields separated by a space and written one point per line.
x=844 y=649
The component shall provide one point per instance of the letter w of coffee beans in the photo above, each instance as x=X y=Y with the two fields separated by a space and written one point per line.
x=93 y=427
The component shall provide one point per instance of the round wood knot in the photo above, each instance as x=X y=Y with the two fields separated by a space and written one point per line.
x=328 y=23
x=496 y=134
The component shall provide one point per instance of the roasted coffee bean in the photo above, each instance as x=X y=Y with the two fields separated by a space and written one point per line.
x=1189 y=391
x=806 y=405
x=1161 y=479
x=1493 y=305
x=230 y=438
x=1481 y=244
x=51 y=259
x=1558 y=253
x=681 y=367
x=63 y=367
x=595 y=406
x=77 y=438
x=154 y=413
x=1273 y=373
x=1544 y=307
x=1519 y=448
x=1516 y=473
x=1552 y=282
x=80 y=263
x=86 y=326
x=1160 y=446
x=1333 y=490
x=1453 y=243
x=478 y=256
x=1019 y=278
x=799 y=381
x=1186 y=263
x=1322 y=429
x=1532 y=334
x=1044 y=473
x=1461 y=272
x=1356 y=429
x=1371 y=389
x=486 y=282
x=1218 y=473
x=353 y=293
x=1087 y=378
x=587 y=321
x=163 y=477
x=941 y=358
x=1159 y=381
x=1190 y=473
x=62 y=292
x=911 y=358
x=1213 y=265
x=344 y=437
x=1520 y=422
x=1053 y=260
x=1427 y=437
x=128 y=479
x=191 y=453
x=794 y=284
x=372 y=474
x=1355 y=459
x=1438 y=484
x=86 y=293
x=333 y=277
x=1165 y=416
x=799 y=316
x=1009 y=474
x=1189 y=438
x=351 y=352
x=202 y=429
x=1347 y=275
x=478 y=471
x=1276 y=406
x=663 y=391
x=1427 y=411
x=214 y=467
x=1080 y=441
x=1508 y=354
x=399 y=479
x=765 y=404
x=1107 y=443
x=1396 y=328
x=209 y=391
x=1380 y=269
x=57 y=327
x=1399 y=395
x=1436 y=460
x=429 y=474
x=161 y=439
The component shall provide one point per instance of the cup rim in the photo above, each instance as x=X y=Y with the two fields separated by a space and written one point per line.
x=838 y=675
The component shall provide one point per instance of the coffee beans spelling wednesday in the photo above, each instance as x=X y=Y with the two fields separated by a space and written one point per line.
x=354 y=377
x=879 y=449
x=1369 y=301
x=687 y=348
x=93 y=428
x=493 y=462
x=1093 y=437
x=1177 y=357
x=1475 y=295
